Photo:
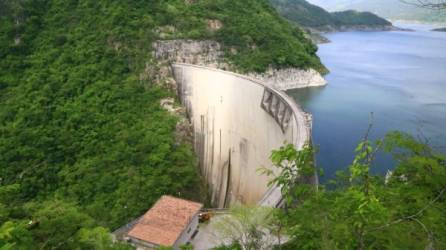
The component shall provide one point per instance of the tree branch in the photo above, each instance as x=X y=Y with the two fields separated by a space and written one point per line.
x=413 y=216
x=428 y=4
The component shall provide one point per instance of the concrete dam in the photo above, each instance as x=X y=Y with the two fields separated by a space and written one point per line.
x=237 y=121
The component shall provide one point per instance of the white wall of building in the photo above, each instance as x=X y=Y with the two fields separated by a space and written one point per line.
x=186 y=236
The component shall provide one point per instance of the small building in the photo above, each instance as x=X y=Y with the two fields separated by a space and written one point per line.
x=171 y=222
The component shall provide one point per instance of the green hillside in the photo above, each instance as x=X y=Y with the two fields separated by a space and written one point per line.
x=84 y=143
x=303 y=13
x=352 y=17
x=309 y=15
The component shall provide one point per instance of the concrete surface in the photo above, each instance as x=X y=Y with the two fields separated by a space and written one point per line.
x=237 y=122
x=207 y=237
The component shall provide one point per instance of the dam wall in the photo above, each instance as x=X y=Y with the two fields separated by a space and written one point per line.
x=237 y=121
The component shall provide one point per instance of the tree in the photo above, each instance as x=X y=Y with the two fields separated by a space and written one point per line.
x=98 y=238
x=367 y=211
x=248 y=227
x=429 y=4
x=15 y=236
x=57 y=224
x=19 y=235
x=295 y=173
x=61 y=225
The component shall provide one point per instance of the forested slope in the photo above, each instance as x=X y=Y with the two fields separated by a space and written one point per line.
x=84 y=143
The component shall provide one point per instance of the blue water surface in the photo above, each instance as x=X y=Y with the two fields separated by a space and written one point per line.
x=399 y=76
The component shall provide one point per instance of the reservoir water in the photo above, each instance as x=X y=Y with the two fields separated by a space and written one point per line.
x=399 y=76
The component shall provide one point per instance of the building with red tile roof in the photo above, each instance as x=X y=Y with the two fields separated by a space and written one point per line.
x=170 y=222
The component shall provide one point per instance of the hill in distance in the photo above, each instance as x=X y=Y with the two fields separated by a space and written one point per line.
x=440 y=29
x=312 y=16
x=391 y=9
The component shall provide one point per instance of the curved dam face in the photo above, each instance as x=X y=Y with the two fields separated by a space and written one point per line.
x=237 y=121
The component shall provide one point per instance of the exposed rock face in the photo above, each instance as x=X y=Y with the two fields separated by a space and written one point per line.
x=316 y=36
x=208 y=53
x=184 y=129
x=290 y=78
x=164 y=32
x=165 y=52
x=214 y=25
x=189 y=2
x=204 y=53
x=17 y=40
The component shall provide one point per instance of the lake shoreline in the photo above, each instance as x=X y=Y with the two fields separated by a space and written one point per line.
x=319 y=35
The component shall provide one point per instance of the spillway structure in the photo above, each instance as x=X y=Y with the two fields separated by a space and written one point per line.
x=237 y=122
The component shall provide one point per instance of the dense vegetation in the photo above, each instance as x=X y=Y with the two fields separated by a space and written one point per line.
x=352 y=17
x=84 y=143
x=255 y=30
x=309 y=15
x=359 y=210
x=253 y=35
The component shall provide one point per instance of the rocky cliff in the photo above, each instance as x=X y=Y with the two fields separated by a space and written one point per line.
x=209 y=53
x=290 y=78
x=204 y=53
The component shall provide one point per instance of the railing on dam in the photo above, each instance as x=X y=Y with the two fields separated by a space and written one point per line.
x=237 y=122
